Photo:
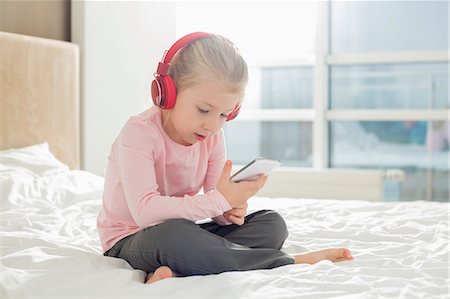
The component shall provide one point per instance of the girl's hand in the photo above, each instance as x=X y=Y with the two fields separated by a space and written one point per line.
x=236 y=215
x=237 y=193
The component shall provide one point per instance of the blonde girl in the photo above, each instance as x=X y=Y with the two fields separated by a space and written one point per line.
x=167 y=170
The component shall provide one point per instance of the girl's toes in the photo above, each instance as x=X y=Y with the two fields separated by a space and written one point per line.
x=347 y=254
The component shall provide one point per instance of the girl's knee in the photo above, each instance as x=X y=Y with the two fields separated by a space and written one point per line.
x=279 y=225
x=275 y=227
x=274 y=218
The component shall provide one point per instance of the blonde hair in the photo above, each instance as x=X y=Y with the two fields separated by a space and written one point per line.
x=213 y=57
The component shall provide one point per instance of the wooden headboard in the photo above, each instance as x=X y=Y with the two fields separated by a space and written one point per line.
x=39 y=95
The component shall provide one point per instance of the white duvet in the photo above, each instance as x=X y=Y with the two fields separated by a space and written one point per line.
x=50 y=248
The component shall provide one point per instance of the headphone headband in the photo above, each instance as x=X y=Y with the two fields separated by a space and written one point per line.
x=185 y=40
x=163 y=66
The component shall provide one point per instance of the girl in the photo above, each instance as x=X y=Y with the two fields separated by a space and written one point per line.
x=164 y=156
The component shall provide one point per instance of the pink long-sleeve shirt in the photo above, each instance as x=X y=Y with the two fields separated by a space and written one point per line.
x=151 y=179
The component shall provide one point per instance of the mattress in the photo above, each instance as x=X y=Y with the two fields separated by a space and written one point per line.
x=50 y=248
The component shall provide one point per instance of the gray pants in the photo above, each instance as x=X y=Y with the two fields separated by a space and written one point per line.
x=198 y=249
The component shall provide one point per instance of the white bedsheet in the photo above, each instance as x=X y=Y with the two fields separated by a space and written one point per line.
x=50 y=248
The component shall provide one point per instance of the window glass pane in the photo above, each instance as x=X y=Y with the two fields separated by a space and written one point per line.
x=286 y=87
x=377 y=26
x=440 y=91
x=289 y=142
x=408 y=86
x=421 y=149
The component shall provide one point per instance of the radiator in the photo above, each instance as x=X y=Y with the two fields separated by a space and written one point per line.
x=330 y=183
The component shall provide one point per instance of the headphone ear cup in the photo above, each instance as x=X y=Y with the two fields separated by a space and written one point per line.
x=164 y=92
x=169 y=92
x=234 y=113
x=156 y=92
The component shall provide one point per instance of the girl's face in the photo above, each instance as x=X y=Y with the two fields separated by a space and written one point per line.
x=200 y=111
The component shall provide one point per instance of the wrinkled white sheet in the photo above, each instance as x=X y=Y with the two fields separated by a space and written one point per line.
x=50 y=248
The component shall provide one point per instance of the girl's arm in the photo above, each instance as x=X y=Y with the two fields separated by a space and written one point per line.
x=136 y=151
x=215 y=166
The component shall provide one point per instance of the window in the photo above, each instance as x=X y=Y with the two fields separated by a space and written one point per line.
x=388 y=91
x=332 y=86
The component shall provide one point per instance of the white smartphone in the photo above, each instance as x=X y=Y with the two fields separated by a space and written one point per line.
x=252 y=170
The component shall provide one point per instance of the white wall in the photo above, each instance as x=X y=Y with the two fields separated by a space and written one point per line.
x=120 y=46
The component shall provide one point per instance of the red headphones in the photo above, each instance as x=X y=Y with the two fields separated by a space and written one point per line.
x=164 y=92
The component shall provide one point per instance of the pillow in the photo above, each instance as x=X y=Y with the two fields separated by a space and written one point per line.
x=35 y=158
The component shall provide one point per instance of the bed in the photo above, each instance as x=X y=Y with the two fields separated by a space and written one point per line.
x=50 y=248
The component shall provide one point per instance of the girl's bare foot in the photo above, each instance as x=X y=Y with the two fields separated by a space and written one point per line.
x=160 y=273
x=333 y=254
